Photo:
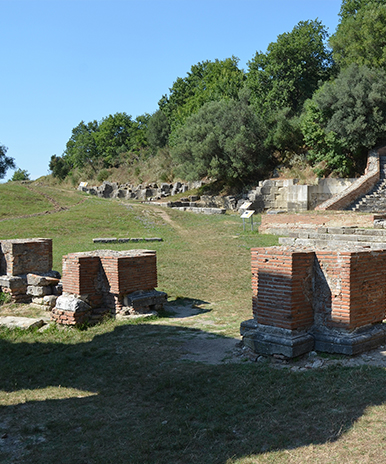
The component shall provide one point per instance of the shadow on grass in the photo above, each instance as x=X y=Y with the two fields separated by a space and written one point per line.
x=186 y=307
x=145 y=405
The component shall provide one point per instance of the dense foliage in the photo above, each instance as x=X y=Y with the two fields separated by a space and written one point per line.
x=225 y=140
x=300 y=97
x=20 y=174
x=292 y=68
x=346 y=118
x=360 y=36
x=6 y=162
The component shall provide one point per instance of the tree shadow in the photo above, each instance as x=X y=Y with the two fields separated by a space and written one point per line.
x=186 y=307
x=126 y=396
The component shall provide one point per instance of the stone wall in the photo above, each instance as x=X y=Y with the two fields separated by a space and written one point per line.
x=282 y=223
x=325 y=300
x=289 y=195
x=360 y=187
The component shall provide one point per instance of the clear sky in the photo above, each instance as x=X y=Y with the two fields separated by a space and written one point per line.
x=64 y=61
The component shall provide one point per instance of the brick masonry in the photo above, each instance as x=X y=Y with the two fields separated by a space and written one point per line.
x=106 y=280
x=26 y=271
x=337 y=297
x=22 y=256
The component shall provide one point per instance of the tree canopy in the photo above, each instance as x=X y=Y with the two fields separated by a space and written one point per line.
x=20 y=174
x=207 y=81
x=299 y=96
x=6 y=162
x=361 y=35
x=225 y=140
x=100 y=144
x=345 y=118
x=291 y=69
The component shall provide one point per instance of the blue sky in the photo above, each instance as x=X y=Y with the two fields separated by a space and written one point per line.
x=64 y=61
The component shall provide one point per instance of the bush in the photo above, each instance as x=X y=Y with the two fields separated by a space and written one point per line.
x=103 y=175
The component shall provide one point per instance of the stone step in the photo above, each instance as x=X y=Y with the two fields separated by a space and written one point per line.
x=348 y=233
x=330 y=244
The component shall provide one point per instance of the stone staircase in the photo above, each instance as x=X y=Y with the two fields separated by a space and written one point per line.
x=336 y=238
x=375 y=200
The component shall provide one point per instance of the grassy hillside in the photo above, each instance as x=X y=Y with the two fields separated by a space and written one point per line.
x=127 y=393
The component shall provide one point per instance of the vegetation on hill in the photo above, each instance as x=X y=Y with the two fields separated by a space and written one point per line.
x=309 y=96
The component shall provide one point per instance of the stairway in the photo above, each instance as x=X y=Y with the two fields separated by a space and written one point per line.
x=375 y=200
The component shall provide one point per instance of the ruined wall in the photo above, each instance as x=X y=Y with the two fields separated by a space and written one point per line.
x=337 y=297
x=102 y=282
x=273 y=223
x=21 y=256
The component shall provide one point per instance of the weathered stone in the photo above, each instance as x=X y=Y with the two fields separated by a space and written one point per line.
x=20 y=322
x=41 y=280
x=71 y=303
x=35 y=290
x=50 y=301
x=13 y=282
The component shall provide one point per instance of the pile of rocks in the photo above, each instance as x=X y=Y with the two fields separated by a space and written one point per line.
x=44 y=289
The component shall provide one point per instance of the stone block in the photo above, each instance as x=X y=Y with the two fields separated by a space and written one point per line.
x=13 y=282
x=70 y=303
x=35 y=290
x=41 y=280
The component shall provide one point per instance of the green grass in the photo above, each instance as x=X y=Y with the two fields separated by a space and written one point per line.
x=120 y=392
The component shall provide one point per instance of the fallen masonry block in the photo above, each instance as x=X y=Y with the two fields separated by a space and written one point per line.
x=20 y=322
x=70 y=310
x=143 y=302
x=126 y=240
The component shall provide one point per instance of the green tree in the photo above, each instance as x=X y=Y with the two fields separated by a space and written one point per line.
x=20 y=174
x=114 y=137
x=82 y=149
x=59 y=166
x=6 y=162
x=346 y=118
x=224 y=140
x=207 y=81
x=361 y=35
x=291 y=70
x=158 y=131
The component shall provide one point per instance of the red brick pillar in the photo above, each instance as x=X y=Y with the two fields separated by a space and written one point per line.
x=282 y=287
x=282 y=302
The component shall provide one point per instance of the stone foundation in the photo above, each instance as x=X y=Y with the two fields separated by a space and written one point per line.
x=325 y=300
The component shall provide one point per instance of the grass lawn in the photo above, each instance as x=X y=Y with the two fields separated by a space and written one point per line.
x=123 y=393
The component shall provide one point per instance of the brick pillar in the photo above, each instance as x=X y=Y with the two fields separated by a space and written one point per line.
x=281 y=301
x=282 y=288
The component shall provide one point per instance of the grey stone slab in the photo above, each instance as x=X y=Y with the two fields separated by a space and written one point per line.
x=268 y=340
x=104 y=240
x=350 y=343
x=24 y=323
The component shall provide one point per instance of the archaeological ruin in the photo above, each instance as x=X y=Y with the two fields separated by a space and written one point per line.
x=93 y=285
